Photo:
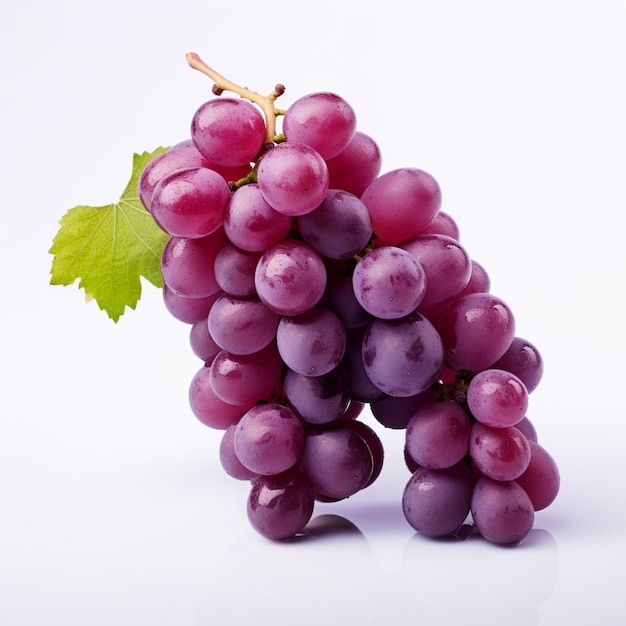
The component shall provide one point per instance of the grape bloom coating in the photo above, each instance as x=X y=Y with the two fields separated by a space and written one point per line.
x=321 y=292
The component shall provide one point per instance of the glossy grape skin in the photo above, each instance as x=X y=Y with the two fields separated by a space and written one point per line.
x=352 y=225
x=402 y=203
x=290 y=277
x=185 y=309
x=402 y=357
x=501 y=510
x=201 y=342
x=269 y=439
x=443 y=224
x=190 y=203
x=446 y=264
x=476 y=331
x=280 y=506
x=499 y=453
x=187 y=265
x=438 y=434
x=242 y=325
x=336 y=461
x=541 y=480
x=524 y=360
x=322 y=120
x=251 y=223
x=234 y=270
x=311 y=343
x=228 y=458
x=293 y=178
x=389 y=283
x=228 y=131
x=363 y=389
x=497 y=398
x=373 y=442
x=436 y=502
x=208 y=408
x=356 y=166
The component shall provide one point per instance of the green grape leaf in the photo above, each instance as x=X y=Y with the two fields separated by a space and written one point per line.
x=109 y=248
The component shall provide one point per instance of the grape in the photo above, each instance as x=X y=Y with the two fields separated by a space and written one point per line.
x=208 y=408
x=446 y=264
x=185 y=309
x=438 y=434
x=497 y=398
x=541 y=479
x=190 y=203
x=314 y=285
x=337 y=462
x=201 y=342
x=187 y=265
x=251 y=223
x=402 y=357
x=394 y=412
x=244 y=379
x=293 y=178
x=352 y=225
x=312 y=343
x=322 y=120
x=228 y=458
x=436 y=502
x=290 y=277
x=356 y=166
x=499 y=453
x=476 y=331
x=523 y=360
x=501 y=510
x=234 y=270
x=227 y=131
x=269 y=439
x=280 y=506
x=402 y=203
x=318 y=399
x=389 y=283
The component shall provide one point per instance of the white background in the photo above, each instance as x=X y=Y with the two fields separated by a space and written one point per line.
x=113 y=506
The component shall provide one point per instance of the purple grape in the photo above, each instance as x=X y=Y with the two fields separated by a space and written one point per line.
x=352 y=225
x=293 y=178
x=337 y=462
x=228 y=459
x=323 y=120
x=279 y=507
x=201 y=342
x=402 y=203
x=501 y=510
x=438 y=434
x=363 y=389
x=436 y=502
x=356 y=166
x=394 y=412
x=318 y=399
x=242 y=325
x=541 y=480
x=476 y=331
x=187 y=264
x=443 y=224
x=499 y=453
x=190 y=203
x=526 y=427
x=523 y=360
x=372 y=441
x=446 y=264
x=339 y=296
x=312 y=343
x=389 y=283
x=497 y=398
x=234 y=270
x=187 y=310
x=402 y=357
x=208 y=408
x=228 y=131
x=251 y=223
x=247 y=378
x=269 y=439
x=290 y=277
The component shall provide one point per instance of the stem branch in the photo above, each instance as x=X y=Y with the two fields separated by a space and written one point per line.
x=223 y=84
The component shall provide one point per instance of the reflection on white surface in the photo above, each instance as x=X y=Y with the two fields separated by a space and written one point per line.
x=331 y=572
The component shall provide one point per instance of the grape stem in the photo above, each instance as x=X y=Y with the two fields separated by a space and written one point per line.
x=223 y=84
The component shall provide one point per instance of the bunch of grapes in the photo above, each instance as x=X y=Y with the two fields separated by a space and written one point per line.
x=314 y=285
